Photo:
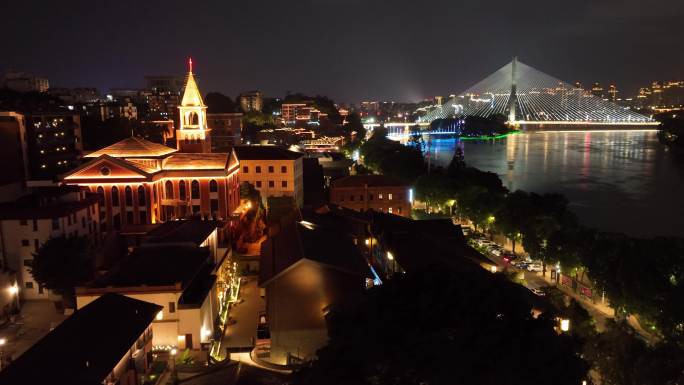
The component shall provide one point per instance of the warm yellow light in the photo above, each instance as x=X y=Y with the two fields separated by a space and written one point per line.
x=3 y=341
x=174 y=351
x=390 y=256
x=565 y=325
x=493 y=269
x=160 y=315
x=14 y=289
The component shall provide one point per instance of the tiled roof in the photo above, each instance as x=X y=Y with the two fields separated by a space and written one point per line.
x=370 y=180
x=267 y=152
x=133 y=147
x=87 y=346
x=192 y=96
x=199 y=161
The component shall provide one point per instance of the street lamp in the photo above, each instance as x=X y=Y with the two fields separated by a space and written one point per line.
x=3 y=341
x=565 y=325
x=14 y=289
x=173 y=363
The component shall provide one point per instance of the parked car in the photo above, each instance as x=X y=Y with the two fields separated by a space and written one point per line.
x=534 y=267
x=521 y=265
x=507 y=257
x=538 y=291
x=496 y=251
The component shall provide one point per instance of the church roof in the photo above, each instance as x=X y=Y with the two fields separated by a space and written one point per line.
x=192 y=96
x=133 y=147
x=198 y=161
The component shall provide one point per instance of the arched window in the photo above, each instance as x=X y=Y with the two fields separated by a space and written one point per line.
x=193 y=119
x=101 y=197
x=115 y=196
x=213 y=186
x=141 y=196
x=168 y=187
x=129 y=196
x=195 y=189
x=181 y=190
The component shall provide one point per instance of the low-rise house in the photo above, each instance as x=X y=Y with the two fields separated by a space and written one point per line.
x=108 y=341
x=179 y=267
x=305 y=267
x=380 y=193
x=273 y=170
x=28 y=222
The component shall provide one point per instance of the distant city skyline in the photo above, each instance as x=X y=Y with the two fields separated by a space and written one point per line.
x=349 y=50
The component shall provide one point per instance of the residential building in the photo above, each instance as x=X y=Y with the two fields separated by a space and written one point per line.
x=14 y=155
x=226 y=130
x=273 y=170
x=23 y=82
x=313 y=266
x=302 y=113
x=251 y=101
x=28 y=222
x=381 y=193
x=79 y=95
x=180 y=267
x=44 y=144
x=106 y=342
x=141 y=182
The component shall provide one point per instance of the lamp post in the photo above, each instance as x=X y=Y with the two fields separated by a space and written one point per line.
x=174 y=376
x=3 y=341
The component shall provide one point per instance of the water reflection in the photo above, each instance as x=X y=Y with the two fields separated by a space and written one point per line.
x=618 y=181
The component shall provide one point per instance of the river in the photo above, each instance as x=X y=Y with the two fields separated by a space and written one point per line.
x=621 y=181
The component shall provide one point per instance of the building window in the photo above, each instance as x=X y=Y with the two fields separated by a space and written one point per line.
x=115 y=196
x=270 y=169
x=195 y=209
x=35 y=225
x=258 y=169
x=398 y=210
x=213 y=186
x=172 y=307
x=55 y=223
x=181 y=190
x=389 y=210
x=117 y=222
x=25 y=242
x=101 y=197
x=29 y=285
x=195 y=189
x=168 y=189
x=245 y=169
x=380 y=196
x=283 y=184
x=23 y=222
x=36 y=245
x=128 y=192
x=141 y=196
x=129 y=217
x=283 y=169
x=143 y=217
x=214 y=206
x=389 y=196
x=271 y=184
x=258 y=184
x=28 y=262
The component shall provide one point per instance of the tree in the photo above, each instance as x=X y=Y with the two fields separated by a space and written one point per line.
x=219 y=103
x=354 y=126
x=63 y=263
x=443 y=326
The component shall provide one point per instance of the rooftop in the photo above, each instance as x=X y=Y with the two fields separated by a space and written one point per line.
x=298 y=240
x=133 y=147
x=198 y=161
x=87 y=346
x=267 y=152
x=183 y=231
x=372 y=180
x=46 y=204
x=156 y=265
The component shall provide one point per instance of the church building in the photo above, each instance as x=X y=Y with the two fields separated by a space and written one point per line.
x=141 y=182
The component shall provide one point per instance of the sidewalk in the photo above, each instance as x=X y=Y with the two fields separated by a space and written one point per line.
x=35 y=320
x=242 y=333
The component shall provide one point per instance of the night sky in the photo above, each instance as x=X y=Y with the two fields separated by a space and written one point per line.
x=349 y=50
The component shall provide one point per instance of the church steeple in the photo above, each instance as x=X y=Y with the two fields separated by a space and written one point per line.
x=193 y=134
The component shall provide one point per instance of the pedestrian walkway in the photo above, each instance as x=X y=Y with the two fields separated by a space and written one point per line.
x=35 y=320
x=245 y=312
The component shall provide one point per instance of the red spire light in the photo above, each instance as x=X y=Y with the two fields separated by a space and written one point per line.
x=190 y=63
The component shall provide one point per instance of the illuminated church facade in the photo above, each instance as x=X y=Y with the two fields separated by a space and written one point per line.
x=141 y=182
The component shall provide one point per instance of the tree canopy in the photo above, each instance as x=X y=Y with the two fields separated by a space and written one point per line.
x=443 y=327
x=62 y=263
